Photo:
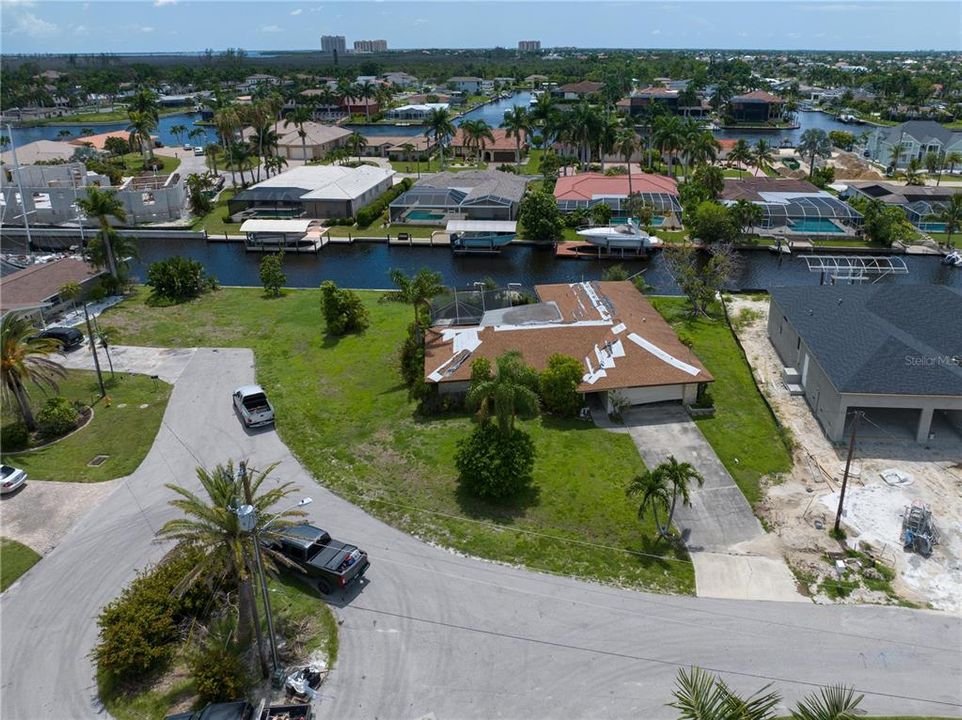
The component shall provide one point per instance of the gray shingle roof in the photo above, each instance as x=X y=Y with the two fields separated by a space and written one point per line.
x=921 y=130
x=479 y=183
x=880 y=339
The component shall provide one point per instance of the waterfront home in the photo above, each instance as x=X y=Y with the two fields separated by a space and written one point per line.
x=585 y=190
x=400 y=79
x=665 y=98
x=467 y=85
x=758 y=107
x=393 y=146
x=318 y=141
x=35 y=291
x=360 y=106
x=578 y=90
x=313 y=191
x=886 y=350
x=917 y=138
x=467 y=195
x=502 y=150
x=919 y=203
x=39 y=151
x=629 y=354
x=415 y=113
x=794 y=207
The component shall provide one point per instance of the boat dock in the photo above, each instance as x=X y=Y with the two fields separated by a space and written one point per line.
x=587 y=251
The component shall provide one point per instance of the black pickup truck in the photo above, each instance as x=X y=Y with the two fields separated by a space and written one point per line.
x=331 y=563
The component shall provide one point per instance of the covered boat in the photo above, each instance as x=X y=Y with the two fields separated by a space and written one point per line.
x=628 y=236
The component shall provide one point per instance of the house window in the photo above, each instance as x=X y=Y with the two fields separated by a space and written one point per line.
x=147 y=198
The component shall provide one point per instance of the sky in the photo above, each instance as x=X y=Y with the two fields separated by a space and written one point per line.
x=76 y=26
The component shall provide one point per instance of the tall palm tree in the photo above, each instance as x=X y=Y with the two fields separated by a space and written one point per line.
x=951 y=215
x=606 y=137
x=512 y=390
x=653 y=490
x=679 y=477
x=366 y=91
x=211 y=524
x=227 y=120
x=145 y=101
x=23 y=360
x=952 y=159
x=702 y=147
x=417 y=290
x=104 y=204
x=913 y=173
x=357 y=143
x=669 y=135
x=409 y=149
x=763 y=156
x=196 y=134
x=476 y=133
x=298 y=117
x=64 y=134
x=895 y=155
x=140 y=127
x=814 y=143
x=178 y=132
x=517 y=122
x=442 y=126
x=741 y=155
x=544 y=115
x=627 y=145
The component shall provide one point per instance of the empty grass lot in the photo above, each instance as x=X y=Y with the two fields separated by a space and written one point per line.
x=123 y=430
x=343 y=411
x=743 y=432
x=15 y=560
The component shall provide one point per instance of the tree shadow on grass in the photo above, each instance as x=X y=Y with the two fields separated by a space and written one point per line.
x=504 y=511
x=652 y=551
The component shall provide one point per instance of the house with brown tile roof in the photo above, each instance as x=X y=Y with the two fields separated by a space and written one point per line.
x=757 y=106
x=35 y=290
x=629 y=354
x=578 y=90
x=501 y=150
x=585 y=190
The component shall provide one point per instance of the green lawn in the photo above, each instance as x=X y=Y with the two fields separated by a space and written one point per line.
x=15 y=560
x=123 y=430
x=213 y=222
x=743 y=431
x=375 y=230
x=942 y=238
x=344 y=412
x=434 y=165
x=134 y=163
x=106 y=116
x=533 y=166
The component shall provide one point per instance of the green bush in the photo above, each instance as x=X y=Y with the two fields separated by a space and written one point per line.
x=495 y=465
x=343 y=310
x=272 y=273
x=14 y=436
x=218 y=670
x=369 y=213
x=559 y=385
x=139 y=629
x=178 y=279
x=57 y=417
x=615 y=272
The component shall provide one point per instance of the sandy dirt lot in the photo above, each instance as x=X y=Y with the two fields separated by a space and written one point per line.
x=800 y=508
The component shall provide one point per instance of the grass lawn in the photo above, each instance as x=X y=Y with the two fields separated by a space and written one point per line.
x=107 y=116
x=434 y=165
x=134 y=163
x=533 y=166
x=847 y=242
x=124 y=433
x=344 y=412
x=15 y=560
x=743 y=431
x=942 y=238
x=375 y=230
x=213 y=222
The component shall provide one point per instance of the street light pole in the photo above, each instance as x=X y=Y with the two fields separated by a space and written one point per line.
x=848 y=464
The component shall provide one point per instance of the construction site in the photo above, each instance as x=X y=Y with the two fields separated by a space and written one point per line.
x=901 y=521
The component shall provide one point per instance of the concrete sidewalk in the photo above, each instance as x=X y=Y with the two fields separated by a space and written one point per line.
x=166 y=363
x=732 y=554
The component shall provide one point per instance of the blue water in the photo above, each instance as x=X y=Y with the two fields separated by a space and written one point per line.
x=936 y=227
x=806 y=120
x=22 y=136
x=815 y=225
x=424 y=215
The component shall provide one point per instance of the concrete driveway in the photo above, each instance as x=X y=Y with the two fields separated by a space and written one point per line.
x=433 y=632
x=733 y=556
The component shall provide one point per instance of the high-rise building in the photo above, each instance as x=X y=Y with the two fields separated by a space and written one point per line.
x=331 y=44
x=529 y=46
x=370 y=46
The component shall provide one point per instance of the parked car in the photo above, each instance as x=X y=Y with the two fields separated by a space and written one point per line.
x=11 y=478
x=188 y=147
x=198 y=149
x=243 y=710
x=67 y=337
x=330 y=563
x=253 y=406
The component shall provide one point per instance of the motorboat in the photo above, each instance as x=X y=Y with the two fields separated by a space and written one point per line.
x=953 y=258
x=627 y=236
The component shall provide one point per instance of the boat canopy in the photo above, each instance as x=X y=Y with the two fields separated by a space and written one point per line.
x=481 y=226
x=277 y=226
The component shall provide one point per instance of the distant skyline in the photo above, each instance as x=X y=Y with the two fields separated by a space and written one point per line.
x=74 y=26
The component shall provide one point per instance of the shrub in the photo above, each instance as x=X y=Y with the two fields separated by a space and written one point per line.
x=615 y=272
x=559 y=385
x=369 y=213
x=601 y=214
x=495 y=465
x=138 y=630
x=57 y=417
x=217 y=666
x=227 y=218
x=272 y=273
x=178 y=279
x=343 y=310
x=411 y=361
x=539 y=217
x=14 y=436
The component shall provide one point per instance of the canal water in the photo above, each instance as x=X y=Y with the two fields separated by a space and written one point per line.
x=22 y=136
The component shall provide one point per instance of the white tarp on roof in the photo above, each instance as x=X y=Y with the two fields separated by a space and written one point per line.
x=662 y=355
x=276 y=226
x=486 y=226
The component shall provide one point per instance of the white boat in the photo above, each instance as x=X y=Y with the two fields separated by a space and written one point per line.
x=627 y=237
x=953 y=258
x=534 y=97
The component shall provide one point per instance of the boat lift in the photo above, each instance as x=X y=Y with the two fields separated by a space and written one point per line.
x=855 y=268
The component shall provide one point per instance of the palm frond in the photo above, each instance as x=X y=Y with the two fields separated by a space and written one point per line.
x=698 y=696
x=835 y=702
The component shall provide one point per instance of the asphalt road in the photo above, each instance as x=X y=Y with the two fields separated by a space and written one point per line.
x=435 y=633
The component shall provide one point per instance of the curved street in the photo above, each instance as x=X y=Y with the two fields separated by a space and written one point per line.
x=436 y=634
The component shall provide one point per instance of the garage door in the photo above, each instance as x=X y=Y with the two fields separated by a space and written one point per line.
x=661 y=393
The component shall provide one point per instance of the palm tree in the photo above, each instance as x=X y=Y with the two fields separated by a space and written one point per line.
x=668 y=136
x=408 y=149
x=141 y=125
x=679 y=477
x=544 y=114
x=951 y=215
x=763 y=155
x=627 y=145
x=227 y=120
x=654 y=493
x=740 y=154
x=356 y=143
x=913 y=173
x=814 y=143
x=298 y=117
x=178 y=132
x=933 y=164
x=476 y=132
x=895 y=155
x=417 y=290
x=511 y=391
x=275 y=163
x=440 y=123
x=952 y=159
x=23 y=360
x=517 y=122
x=104 y=204
x=606 y=137
x=366 y=91
x=64 y=134
x=702 y=147
x=211 y=524
x=145 y=101
x=196 y=134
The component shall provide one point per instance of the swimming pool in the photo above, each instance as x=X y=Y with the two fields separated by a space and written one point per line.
x=936 y=227
x=425 y=215
x=815 y=225
x=655 y=220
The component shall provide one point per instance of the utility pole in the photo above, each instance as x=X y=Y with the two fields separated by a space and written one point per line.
x=93 y=349
x=23 y=198
x=848 y=464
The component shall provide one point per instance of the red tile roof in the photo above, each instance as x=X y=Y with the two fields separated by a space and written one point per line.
x=757 y=96
x=655 y=92
x=585 y=87
x=501 y=140
x=588 y=185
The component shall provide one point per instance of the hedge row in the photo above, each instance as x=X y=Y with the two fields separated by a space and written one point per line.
x=369 y=213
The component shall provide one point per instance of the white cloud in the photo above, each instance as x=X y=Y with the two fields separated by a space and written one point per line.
x=146 y=29
x=81 y=31
x=161 y=3
x=29 y=24
x=298 y=11
x=656 y=32
x=20 y=3
x=271 y=28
